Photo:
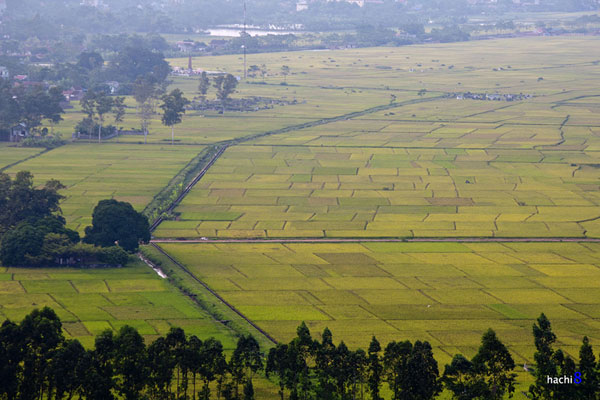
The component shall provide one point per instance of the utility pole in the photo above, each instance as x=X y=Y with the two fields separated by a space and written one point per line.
x=244 y=45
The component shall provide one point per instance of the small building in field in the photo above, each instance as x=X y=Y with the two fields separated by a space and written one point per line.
x=17 y=133
x=4 y=73
x=74 y=94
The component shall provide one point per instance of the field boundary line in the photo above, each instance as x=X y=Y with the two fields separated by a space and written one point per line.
x=215 y=294
x=329 y=120
x=385 y=240
x=222 y=146
x=189 y=187
x=31 y=157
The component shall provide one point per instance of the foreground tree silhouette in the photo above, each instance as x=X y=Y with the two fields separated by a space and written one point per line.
x=488 y=376
x=98 y=379
x=544 y=338
x=245 y=362
x=325 y=366
x=11 y=354
x=131 y=366
x=278 y=364
x=66 y=368
x=375 y=369
x=589 y=372
x=462 y=380
x=161 y=362
x=214 y=366
x=495 y=364
x=42 y=334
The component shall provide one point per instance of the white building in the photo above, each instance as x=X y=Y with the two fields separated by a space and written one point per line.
x=302 y=5
x=4 y=74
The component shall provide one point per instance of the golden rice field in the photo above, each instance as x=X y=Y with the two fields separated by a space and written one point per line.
x=429 y=165
x=446 y=293
x=301 y=191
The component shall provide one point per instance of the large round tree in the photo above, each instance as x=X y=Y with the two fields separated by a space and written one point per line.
x=116 y=222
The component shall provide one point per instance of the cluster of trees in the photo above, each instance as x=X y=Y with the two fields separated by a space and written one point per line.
x=30 y=106
x=136 y=59
x=96 y=105
x=224 y=86
x=33 y=233
x=36 y=361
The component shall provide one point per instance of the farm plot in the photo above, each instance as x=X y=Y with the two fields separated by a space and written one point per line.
x=92 y=173
x=446 y=293
x=90 y=301
x=10 y=154
x=306 y=104
x=280 y=191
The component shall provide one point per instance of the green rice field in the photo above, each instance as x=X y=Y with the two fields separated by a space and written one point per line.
x=12 y=154
x=92 y=172
x=91 y=301
x=446 y=293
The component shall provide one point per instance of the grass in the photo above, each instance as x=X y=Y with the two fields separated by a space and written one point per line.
x=445 y=292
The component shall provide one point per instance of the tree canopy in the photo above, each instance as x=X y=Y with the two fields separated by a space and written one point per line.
x=117 y=222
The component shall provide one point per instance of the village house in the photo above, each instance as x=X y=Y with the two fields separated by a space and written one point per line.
x=74 y=94
x=15 y=134
x=4 y=74
x=113 y=86
x=185 y=46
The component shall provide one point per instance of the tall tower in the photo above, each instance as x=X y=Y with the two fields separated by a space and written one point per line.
x=2 y=6
x=244 y=45
x=190 y=66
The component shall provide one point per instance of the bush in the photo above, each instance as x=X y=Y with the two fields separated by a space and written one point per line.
x=49 y=142
x=113 y=255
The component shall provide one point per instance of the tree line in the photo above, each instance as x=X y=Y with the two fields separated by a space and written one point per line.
x=33 y=232
x=37 y=361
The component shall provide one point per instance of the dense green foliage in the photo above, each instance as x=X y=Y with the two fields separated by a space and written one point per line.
x=28 y=105
x=117 y=222
x=33 y=233
x=20 y=200
x=37 y=360
x=128 y=58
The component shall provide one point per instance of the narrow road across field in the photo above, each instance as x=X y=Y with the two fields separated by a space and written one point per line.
x=222 y=146
x=384 y=240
